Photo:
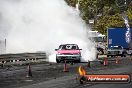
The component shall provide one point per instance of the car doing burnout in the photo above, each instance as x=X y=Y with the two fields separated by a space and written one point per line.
x=68 y=52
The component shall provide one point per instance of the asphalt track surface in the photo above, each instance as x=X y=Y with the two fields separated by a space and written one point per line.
x=51 y=75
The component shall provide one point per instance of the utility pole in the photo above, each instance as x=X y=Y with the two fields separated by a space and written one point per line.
x=5 y=45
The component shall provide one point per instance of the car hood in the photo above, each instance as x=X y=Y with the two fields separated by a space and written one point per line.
x=68 y=51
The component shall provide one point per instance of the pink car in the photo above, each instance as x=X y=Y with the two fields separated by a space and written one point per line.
x=68 y=53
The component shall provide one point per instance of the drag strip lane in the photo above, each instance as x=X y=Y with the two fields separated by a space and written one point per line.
x=71 y=82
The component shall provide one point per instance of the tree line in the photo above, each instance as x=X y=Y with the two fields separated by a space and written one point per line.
x=105 y=13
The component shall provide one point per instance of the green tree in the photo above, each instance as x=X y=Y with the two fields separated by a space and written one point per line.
x=110 y=11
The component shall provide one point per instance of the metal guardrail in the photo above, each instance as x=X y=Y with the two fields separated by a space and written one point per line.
x=22 y=58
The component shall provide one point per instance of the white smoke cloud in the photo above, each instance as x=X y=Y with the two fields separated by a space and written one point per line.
x=42 y=25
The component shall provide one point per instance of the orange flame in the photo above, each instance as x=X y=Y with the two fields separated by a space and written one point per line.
x=82 y=72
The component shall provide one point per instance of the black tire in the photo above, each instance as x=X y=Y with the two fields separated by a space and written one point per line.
x=125 y=54
x=107 y=55
x=57 y=61
x=122 y=55
x=77 y=61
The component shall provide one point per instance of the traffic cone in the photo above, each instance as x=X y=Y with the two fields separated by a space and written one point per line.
x=88 y=64
x=65 y=67
x=105 y=62
x=117 y=60
x=29 y=71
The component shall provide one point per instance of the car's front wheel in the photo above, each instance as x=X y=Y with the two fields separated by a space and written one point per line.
x=57 y=61
x=77 y=61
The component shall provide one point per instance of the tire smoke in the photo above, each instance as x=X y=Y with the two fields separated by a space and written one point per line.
x=42 y=25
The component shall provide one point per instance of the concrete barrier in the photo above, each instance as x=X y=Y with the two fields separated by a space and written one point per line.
x=23 y=58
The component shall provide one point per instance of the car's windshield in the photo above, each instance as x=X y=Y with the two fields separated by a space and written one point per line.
x=68 y=47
